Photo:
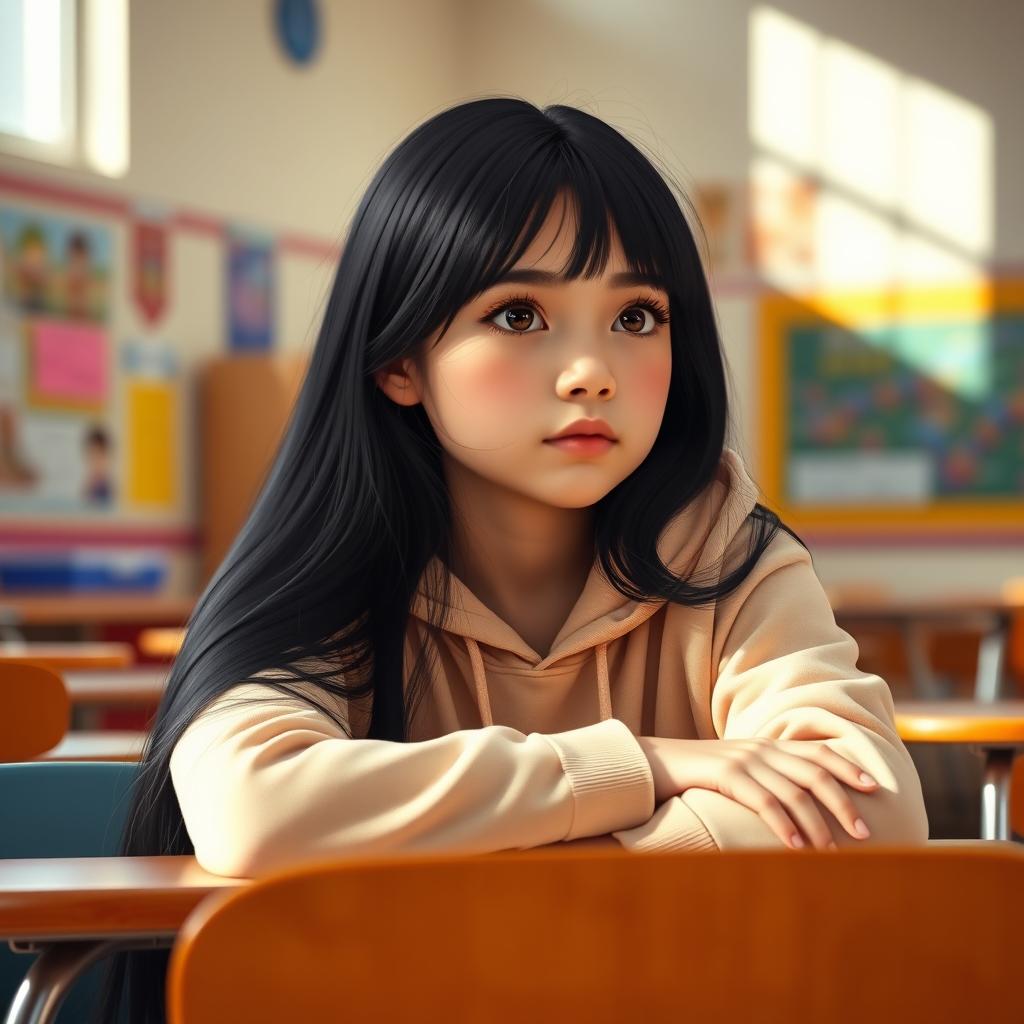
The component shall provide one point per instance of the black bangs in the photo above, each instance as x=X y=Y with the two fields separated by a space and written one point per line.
x=485 y=196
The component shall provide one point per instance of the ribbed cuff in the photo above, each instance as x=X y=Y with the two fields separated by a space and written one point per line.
x=610 y=777
x=674 y=826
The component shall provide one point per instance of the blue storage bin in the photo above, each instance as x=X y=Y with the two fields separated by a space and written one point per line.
x=91 y=572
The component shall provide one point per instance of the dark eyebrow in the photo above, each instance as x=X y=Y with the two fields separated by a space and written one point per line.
x=626 y=279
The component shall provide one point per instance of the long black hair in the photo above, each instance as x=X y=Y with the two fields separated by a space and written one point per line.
x=354 y=505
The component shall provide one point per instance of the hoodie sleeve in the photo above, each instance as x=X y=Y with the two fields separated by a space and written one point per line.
x=263 y=779
x=785 y=670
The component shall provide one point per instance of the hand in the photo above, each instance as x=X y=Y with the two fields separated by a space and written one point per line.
x=775 y=778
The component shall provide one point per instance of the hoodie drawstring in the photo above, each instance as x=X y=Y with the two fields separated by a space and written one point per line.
x=483 y=700
x=604 y=692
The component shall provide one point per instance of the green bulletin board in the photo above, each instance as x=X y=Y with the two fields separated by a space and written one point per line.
x=896 y=412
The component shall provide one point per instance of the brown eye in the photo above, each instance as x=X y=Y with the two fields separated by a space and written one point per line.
x=635 y=318
x=516 y=317
x=519 y=315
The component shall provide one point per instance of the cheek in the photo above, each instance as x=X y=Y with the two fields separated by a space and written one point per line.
x=489 y=380
x=654 y=379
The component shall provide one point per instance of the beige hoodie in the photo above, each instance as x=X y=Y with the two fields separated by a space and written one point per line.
x=513 y=750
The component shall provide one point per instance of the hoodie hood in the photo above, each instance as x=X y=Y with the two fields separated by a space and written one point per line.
x=695 y=538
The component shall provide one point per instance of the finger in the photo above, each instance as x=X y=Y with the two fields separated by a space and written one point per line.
x=818 y=780
x=797 y=800
x=735 y=783
x=839 y=766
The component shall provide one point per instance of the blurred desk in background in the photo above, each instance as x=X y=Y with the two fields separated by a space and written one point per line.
x=67 y=655
x=140 y=685
x=161 y=643
x=995 y=729
x=88 y=745
x=94 y=609
x=993 y=615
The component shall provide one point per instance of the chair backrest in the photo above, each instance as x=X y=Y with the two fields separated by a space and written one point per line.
x=1013 y=590
x=61 y=809
x=851 y=935
x=34 y=710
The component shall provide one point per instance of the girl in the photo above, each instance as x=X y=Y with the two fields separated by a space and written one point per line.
x=443 y=629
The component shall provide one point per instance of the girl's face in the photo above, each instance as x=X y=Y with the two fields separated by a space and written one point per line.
x=523 y=360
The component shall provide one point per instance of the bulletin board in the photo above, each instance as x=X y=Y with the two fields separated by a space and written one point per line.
x=93 y=424
x=89 y=420
x=96 y=492
x=895 y=412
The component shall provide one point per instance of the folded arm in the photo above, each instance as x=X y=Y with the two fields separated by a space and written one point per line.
x=266 y=779
x=786 y=670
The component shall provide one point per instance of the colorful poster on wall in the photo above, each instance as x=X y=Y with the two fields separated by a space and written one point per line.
x=56 y=441
x=54 y=463
x=782 y=225
x=55 y=265
x=722 y=209
x=68 y=365
x=250 y=290
x=150 y=270
x=151 y=423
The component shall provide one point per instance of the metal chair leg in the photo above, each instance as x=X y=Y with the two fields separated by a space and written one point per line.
x=58 y=966
x=995 y=793
x=988 y=685
x=49 y=978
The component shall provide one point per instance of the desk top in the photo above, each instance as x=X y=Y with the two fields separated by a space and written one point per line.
x=103 y=897
x=161 y=642
x=145 y=608
x=98 y=745
x=881 y=606
x=68 y=654
x=93 y=897
x=960 y=721
x=143 y=684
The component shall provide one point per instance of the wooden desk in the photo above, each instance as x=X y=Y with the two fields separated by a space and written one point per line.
x=139 y=685
x=996 y=730
x=89 y=745
x=993 y=612
x=65 y=609
x=74 y=911
x=161 y=643
x=68 y=654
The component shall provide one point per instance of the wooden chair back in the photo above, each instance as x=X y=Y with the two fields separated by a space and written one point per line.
x=35 y=710
x=546 y=936
x=1013 y=590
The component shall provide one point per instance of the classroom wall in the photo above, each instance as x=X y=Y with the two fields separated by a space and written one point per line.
x=676 y=75
x=223 y=126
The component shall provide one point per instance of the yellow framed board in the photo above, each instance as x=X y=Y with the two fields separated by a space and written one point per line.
x=895 y=412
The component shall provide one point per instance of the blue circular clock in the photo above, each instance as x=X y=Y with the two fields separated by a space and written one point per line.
x=298 y=28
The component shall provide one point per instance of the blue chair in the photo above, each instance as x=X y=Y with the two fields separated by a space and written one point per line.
x=61 y=809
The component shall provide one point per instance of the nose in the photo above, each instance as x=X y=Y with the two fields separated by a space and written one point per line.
x=585 y=379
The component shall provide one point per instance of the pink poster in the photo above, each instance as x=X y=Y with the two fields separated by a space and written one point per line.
x=69 y=362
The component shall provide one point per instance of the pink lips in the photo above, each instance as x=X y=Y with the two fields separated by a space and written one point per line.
x=582 y=444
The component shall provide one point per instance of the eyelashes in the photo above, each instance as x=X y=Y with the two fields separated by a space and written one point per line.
x=655 y=307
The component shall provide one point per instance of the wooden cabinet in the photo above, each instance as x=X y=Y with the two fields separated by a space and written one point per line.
x=244 y=404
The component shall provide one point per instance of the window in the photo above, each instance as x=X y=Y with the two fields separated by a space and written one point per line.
x=64 y=82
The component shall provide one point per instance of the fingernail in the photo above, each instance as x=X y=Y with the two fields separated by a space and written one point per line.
x=797 y=841
x=861 y=829
x=867 y=780
x=832 y=845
